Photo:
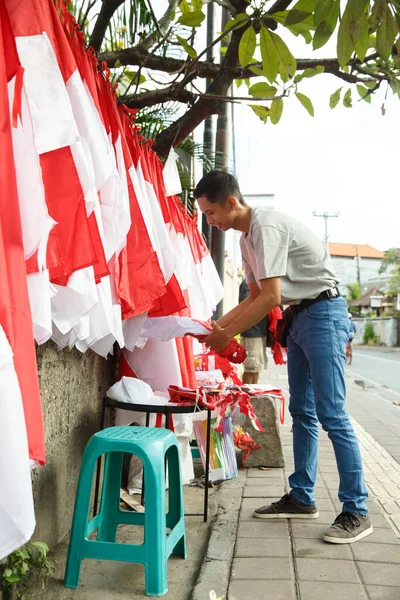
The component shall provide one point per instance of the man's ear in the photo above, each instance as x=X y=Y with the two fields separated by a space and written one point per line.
x=232 y=203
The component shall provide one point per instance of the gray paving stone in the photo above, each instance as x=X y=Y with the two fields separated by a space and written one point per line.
x=247 y=548
x=385 y=553
x=313 y=590
x=258 y=473
x=317 y=548
x=378 y=520
x=326 y=517
x=320 y=569
x=261 y=568
x=379 y=573
x=267 y=491
x=264 y=481
x=261 y=529
x=377 y=592
x=261 y=590
x=373 y=508
x=324 y=504
x=256 y=502
x=308 y=530
x=246 y=514
x=381 y=536
x=326 y=461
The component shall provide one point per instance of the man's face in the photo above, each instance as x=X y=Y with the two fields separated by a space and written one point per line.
x=220 y=216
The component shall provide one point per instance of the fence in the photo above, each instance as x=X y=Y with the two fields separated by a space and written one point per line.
x=386 y=330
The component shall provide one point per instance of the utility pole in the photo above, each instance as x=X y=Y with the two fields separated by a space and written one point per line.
x=325 y=215
x=221 y=151
x=358 y=268
x=208 y=135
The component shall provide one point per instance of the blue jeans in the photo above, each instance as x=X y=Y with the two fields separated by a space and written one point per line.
x=316 y=358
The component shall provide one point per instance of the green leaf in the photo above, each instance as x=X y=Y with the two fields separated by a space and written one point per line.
x=377 y=13
x=192 y=19
x=7 y=572
x=261 y=111
x=187 y=47
x=347 y=101
x=12 y=578
x=247 y=46
x=364 y=93
x=237 y=22
x=132 y=76
x=335 y=97
x=296 y=16
x=322 y=10
x=238 y=83
x=345 y=44
x=184 y=7
x=307 y=73
x=197 y=4
x=223 y=50
x=276 y=110
x=326 y=27
x=262 y=90
x=270 y=58
x=386 y=34
x=257 y=71
x=41 y=546
x=286 y=58
x=306 y=102
x=361 y=36
x=357 y=8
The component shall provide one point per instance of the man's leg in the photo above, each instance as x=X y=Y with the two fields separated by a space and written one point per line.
x=323 y=333
x=250 y=377
x=305 y=424
x=300 y=503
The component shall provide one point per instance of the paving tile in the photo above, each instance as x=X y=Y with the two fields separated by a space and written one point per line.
x=328 y=469
x=317 y=548
x=326 y=461
x=385 y=553
x=257 y=473
x=379 y=573
x=380 y=535
x=373 y=508
x=321 y=569
x=324 y=504
x=261 y=568
x=308 y=530
x=264 y=481
x=377 y=592
x=256 y=502
x=267 y=491
x=315 y=590
x=260 y=528
x=379 y=520
x=247 y=548
x=326 y=517
x=261 y=590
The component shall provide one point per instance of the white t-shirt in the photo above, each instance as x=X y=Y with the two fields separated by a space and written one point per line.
x=278 y=245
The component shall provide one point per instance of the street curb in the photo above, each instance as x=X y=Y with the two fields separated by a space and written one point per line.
x=217 y=564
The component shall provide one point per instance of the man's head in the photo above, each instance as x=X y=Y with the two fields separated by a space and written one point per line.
x=219 y=198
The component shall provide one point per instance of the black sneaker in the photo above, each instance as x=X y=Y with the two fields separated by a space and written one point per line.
x=348 y=528
x=287 y=508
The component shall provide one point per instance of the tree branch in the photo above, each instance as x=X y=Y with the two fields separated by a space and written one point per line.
x=162 y=25
x=107 y=10
x=172 y=92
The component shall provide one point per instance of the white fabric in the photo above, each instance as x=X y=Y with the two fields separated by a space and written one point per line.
x=172 y=181
x=41 y=291
x=53 y=122
x=159 y=236
x=74 y=300
x=166 y=328
x=91 y=129
x=135 y=391
x=17 y=519
x=131 y=330
x=35 y=219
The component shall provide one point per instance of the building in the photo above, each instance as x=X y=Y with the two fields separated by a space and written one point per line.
x=357 y=263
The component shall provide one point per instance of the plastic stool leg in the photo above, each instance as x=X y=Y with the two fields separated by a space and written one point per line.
x=109 y=507
x=155 y=525
x=175 y=498
x=80 y=519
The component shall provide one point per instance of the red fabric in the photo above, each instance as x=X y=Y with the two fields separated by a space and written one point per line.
x=15 y=313
x=75 y=236
x=125 y=370
x=273 y=317
x=219 y=362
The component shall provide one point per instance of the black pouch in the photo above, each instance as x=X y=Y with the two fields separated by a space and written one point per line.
x=282 y=327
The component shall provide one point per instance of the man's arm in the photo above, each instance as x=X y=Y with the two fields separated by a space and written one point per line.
x=246 y=315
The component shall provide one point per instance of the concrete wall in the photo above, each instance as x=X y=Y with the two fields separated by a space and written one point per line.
x=346 y=268
x=72 y=387
x=386 y=330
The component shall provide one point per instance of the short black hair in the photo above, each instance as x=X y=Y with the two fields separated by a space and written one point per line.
x=218 y=185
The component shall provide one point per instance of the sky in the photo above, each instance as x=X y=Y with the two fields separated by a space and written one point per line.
x=342 y=160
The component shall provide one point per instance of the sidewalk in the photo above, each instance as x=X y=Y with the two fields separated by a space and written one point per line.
x=287 y=560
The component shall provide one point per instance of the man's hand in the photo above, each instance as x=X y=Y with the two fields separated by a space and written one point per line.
x=217 y=339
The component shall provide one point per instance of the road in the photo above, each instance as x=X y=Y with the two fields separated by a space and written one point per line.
x=378 y=366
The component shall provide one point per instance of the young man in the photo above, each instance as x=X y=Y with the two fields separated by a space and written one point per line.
x=285 y=262
x=254 y=340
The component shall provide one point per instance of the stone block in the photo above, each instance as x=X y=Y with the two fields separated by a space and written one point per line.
x=320 y=569
x=261 y=568
x=313 y=590
x=270 y=454
x=261 y=590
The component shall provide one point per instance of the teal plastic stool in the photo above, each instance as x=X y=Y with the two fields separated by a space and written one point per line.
x=154 y=447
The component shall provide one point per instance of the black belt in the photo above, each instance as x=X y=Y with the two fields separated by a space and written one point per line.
x=326 y=295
